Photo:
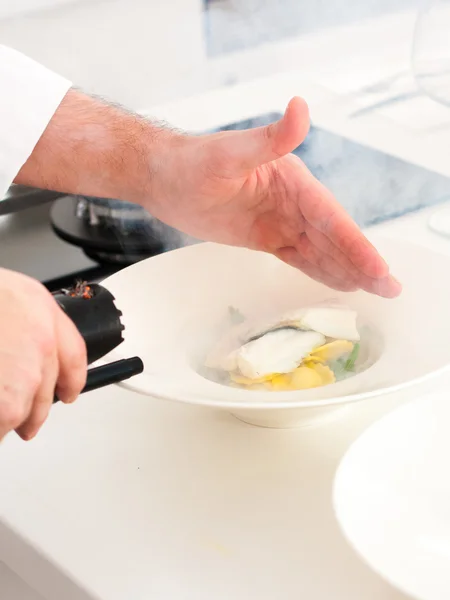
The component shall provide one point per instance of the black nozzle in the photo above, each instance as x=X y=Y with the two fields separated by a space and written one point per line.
x=91 y=307
x=115 y=372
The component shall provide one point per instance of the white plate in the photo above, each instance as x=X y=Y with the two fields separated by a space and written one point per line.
x=392 y=497
x=175 y=304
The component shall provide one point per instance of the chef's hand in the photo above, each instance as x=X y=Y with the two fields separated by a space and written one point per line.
x=245 y=188
x=236 y=187
x=40 y=351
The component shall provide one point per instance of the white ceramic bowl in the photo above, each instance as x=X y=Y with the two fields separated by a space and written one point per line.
x=392 y=497
x=175 y=304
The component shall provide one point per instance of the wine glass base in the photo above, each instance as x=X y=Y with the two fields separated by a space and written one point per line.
x=439 y=222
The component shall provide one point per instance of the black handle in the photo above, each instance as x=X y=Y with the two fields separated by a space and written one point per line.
x=111 y=373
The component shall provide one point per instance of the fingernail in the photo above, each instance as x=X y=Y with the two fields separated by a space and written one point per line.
x=397 y=284
x=65 y=396
x=26 y=436
x=392 y=289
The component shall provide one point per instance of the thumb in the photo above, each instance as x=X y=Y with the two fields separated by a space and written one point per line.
x=265 y=144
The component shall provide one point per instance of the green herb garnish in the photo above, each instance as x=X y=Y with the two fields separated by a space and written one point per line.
x=350 y=362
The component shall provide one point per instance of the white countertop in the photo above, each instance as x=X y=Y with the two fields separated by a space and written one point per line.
x=126 y=498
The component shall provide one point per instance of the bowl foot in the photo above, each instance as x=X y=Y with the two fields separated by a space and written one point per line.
x=289 y=418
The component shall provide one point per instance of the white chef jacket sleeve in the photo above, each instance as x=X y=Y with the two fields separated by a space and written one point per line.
x=29 y=96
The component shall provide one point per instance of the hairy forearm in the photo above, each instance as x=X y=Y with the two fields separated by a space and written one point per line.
x=95 y=149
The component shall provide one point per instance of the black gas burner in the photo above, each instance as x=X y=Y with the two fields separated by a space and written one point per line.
x=108 y=235
x=109 y=258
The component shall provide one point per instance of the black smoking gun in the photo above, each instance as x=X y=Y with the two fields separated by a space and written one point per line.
x=91 y=307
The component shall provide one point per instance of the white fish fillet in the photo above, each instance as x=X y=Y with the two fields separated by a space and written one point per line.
x=328 y=319
x=337 y=323
x=334 y=321
x=279 y=351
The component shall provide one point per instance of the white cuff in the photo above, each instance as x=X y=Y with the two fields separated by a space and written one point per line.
x=29 y=96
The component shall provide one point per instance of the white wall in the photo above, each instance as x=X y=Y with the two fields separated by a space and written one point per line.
x=136 y=52
x=12 y=8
